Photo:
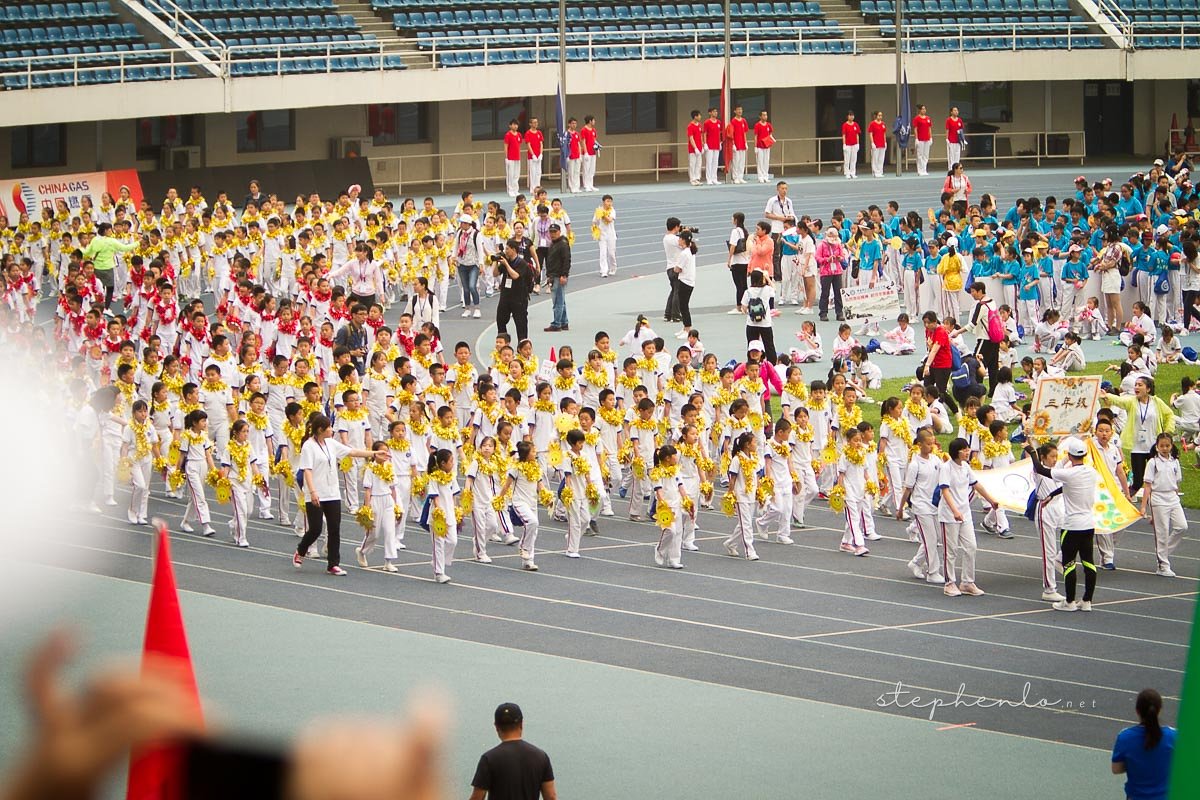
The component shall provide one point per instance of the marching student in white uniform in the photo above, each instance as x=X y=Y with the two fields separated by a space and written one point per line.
x=439 y=512
x=1078 y=529
x=604 y=230
x=527 y=486
x=379 y=494
x=743 y=468
x=777 y=458
x=956 y=481
x=1164 y=479
x=671 y=501
x=195 y=462
x=241 y=468
x=920 y=481
x=1047 y=516
x=140 y=444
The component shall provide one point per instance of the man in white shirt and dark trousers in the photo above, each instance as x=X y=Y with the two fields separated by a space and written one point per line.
x=1079 y=483
x=671 y=250
x=778 y=209
x=513 y=769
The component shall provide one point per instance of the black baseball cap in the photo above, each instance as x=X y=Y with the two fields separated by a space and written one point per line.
x=509 y=714
x=554 y=226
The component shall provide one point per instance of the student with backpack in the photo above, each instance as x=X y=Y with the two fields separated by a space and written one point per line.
x=757 y=301
x=988 y=329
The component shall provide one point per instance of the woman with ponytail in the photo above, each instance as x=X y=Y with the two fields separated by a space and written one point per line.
x=320 y=454
x=1143 y=752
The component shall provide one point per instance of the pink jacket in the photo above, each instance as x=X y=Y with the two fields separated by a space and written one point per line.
x=768 y=374
x=831 y=258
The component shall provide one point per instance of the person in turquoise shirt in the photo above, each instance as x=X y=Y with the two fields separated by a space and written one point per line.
x=1142 y=258
x=1142 y=752
x=1047 y=284
x=1009 y=273
x=1071 y=284
x=870 y=254
x=1128 y=205
x=1028 y=279
x=911 y=275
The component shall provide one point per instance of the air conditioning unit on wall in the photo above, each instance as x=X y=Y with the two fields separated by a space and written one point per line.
x=350 y=147
x=182 y=157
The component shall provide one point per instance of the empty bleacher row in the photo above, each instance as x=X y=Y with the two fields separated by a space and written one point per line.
x=307 y=54
x=30 y=13
x=607 y=32
x=1163 y=24
x=88 y=64
x=952 y=25
x=241 y=17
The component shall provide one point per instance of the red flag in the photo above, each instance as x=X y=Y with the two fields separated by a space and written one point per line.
x=726 y=133
x=553 y=358
x=154 y=772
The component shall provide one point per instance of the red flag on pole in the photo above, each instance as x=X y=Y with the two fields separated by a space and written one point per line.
x=553 y=357
x=154 y=772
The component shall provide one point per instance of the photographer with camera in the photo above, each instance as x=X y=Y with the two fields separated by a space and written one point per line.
x=515 y=280
x=671 y=249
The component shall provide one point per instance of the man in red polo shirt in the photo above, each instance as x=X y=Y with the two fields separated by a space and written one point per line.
x=764 y=139
x=712 y=145
x=533 y=154
x=738 y=128
x=512 y=158
x=695 y=140
x=850 y=133
x=878 y=133
x=923 y=125
x=574 y=152
x=590 y=149
x=954 y=129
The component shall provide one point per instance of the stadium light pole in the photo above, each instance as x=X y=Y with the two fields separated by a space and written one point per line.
x=562 y=82
x=899 y=78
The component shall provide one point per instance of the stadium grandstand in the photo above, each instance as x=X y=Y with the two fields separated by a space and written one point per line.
x=424 y=92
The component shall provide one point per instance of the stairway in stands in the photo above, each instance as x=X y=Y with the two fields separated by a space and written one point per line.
x=847 y=17
x=370 y=22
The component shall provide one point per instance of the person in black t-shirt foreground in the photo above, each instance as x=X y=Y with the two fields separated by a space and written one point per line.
x=513 y=769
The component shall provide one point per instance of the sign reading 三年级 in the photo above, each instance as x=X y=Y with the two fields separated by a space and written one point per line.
x=1067 y=405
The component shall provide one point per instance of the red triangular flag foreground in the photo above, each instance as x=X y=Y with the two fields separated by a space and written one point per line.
x=553 y=358
x=154 y=772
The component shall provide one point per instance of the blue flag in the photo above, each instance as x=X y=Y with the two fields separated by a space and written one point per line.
x=903 y=126
x=560 y=125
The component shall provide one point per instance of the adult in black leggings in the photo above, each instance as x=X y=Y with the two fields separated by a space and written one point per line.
x=320 y=457
x=1191 y=297
x=1078 y=532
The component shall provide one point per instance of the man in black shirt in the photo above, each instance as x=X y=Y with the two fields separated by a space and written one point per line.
x=558 y=269
x=513 y=769
x=515 y=279
x=354 y=337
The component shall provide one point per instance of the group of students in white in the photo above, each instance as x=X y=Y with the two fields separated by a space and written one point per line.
x=272 y=405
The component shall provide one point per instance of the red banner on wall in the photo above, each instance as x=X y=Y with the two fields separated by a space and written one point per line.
x=31 y=195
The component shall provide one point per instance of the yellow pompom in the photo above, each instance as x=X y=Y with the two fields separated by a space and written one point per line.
x=592 y=494
x=346 y=464
x=689 y=505
x=546 y=498
x=728 y=503
x=125 y=470
x=837 y=499
x=175 y=480
x=160 y=464
x=664 y=516
x=419 y=484
x=829 y=455
x=437 y=524
x=498 y=503
x=567 y=495
x=872 y=488
x=224 y=490
x=639 y=468
x=213 y=478
x=706 y=489
x=365 y=517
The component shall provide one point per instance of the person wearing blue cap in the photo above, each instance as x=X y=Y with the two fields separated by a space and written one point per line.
x=513 y=769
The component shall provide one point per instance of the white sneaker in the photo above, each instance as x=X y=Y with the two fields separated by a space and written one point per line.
x=111 y=501
x=873 y=537
x=752 y=557
x=917 y=572
x=762 y=537
x=390 y=567
x=1052 y=597
x=495 y=537
x=658 y=559
x=936 y=579
x=466 y=313
x=265 y=515
x=475 y=313
x=362 y=559
x=732 y=311
x=675 y=565
x=209 y=530
x=784 y=540
x=1063 y=605
x=510 y=539
x=484 y=559
x=401 y=546
x=692 y=546
x=1085 y=605
x=441 y=578
x=569 y=554
x=1165 y=572
x=530 y=566
x=730 y=550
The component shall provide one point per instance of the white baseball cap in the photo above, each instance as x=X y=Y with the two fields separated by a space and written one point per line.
x=756 y=345
x=1076 y=448
x=952 y=241
x=466 y=218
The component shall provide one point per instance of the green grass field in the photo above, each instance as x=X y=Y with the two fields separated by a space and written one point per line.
x=1165 y=383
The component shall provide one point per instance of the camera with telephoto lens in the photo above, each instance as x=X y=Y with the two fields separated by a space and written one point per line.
x=692 y=229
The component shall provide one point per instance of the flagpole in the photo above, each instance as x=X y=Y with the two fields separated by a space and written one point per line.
x=562 y=89
x=725 y=84
x=899 y=75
